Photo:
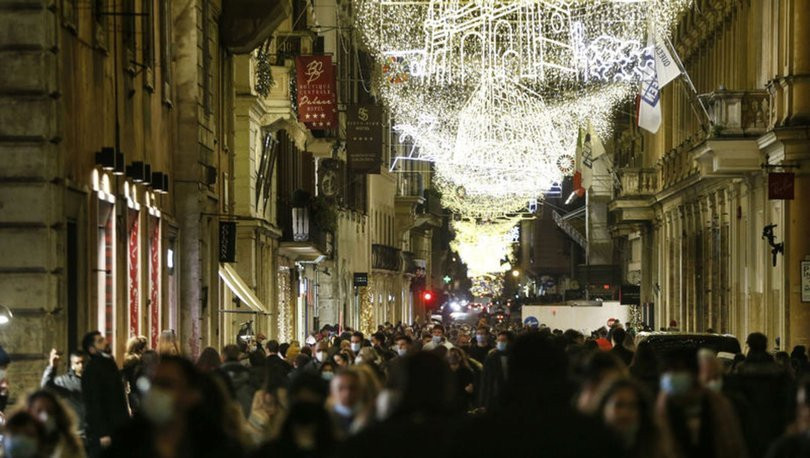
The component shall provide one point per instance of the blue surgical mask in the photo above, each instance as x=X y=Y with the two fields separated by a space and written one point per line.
x=501 y=346
x=20 y=447
x=355 y=347
x=328 y=375
x=437 y=339
x=482 y=339
x=402 y=351
x=676 y=383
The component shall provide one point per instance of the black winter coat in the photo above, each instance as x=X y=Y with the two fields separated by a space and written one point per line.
x=105 y=402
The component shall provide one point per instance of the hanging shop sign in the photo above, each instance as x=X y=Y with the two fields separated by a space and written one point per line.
x=364 y=138
x=780 y=186
x=361 y=279
x=227 y=241
x=315 y=86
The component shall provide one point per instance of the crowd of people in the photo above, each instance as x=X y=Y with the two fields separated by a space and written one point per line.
x=416 y=390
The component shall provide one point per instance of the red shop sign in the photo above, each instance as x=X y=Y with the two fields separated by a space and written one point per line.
x=780 y=186
x=315 y=85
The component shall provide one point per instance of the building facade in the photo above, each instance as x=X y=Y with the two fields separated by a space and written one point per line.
x=692 y=212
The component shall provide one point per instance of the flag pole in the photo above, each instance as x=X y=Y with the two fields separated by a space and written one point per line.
x=691 y=92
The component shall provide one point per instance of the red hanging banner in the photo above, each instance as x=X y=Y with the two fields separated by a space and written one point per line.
x=315 y=84
x=780 y=186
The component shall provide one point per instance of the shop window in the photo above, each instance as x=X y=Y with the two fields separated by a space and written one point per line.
x=154 y=281
x=105 y=270
x=133 y=261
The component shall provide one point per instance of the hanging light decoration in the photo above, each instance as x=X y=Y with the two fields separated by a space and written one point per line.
x=484 y=245
x=494 y=92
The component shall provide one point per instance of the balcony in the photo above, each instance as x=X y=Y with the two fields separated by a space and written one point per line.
x=637 y=183
x=384 y=257
x=633 y=197
x=303 y=239
x=738 y=113
x=738 y=119
x=410 y=185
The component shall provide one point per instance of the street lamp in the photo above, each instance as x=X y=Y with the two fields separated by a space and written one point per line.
x=5 y=315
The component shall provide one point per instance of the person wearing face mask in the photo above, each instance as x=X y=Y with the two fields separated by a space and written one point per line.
x=105 y=402
x=698 y=421
x=59 y=439
x=344 y=395
x=404 y=345
x=307 y=432
x=482 y=346
x=185 y=414
x=378 y=344
x=320 y=355
x=493 y=379
x=356 y=341
x=437 y=339
x=626 y=409
x=68 y=385
x=23 y=436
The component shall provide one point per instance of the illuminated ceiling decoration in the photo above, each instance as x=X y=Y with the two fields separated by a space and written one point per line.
x=494 y=93
x=484 y=246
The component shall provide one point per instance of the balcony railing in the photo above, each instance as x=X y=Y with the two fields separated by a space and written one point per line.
x=738 y=113
x=385 y=258
x=410 y=184
x=302 y=229
x=637 y=182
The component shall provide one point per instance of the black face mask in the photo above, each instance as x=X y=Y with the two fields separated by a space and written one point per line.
x=3 y=401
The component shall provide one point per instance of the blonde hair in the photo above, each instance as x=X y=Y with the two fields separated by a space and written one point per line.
x=135 y=346
x=167 y=343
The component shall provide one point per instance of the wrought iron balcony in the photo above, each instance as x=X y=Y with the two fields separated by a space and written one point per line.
x=385 y=258
x=637 y=183
x=738 y=113
x=302 y=237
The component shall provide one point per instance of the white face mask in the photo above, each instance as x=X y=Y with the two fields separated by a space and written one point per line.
x=320 y=356
x=402 y=351
x=501 y=346
x=158 y=406
x=355 y=347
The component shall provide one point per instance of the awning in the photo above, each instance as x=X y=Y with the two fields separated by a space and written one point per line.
x=239 y=288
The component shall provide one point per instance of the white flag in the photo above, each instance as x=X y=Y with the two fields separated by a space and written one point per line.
x=649 y=104
x=665 y=65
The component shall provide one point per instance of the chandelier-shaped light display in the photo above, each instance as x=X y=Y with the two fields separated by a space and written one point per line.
x=494 y=92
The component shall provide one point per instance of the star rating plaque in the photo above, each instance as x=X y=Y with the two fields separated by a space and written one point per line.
x=317 y=100
x=364 y=138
